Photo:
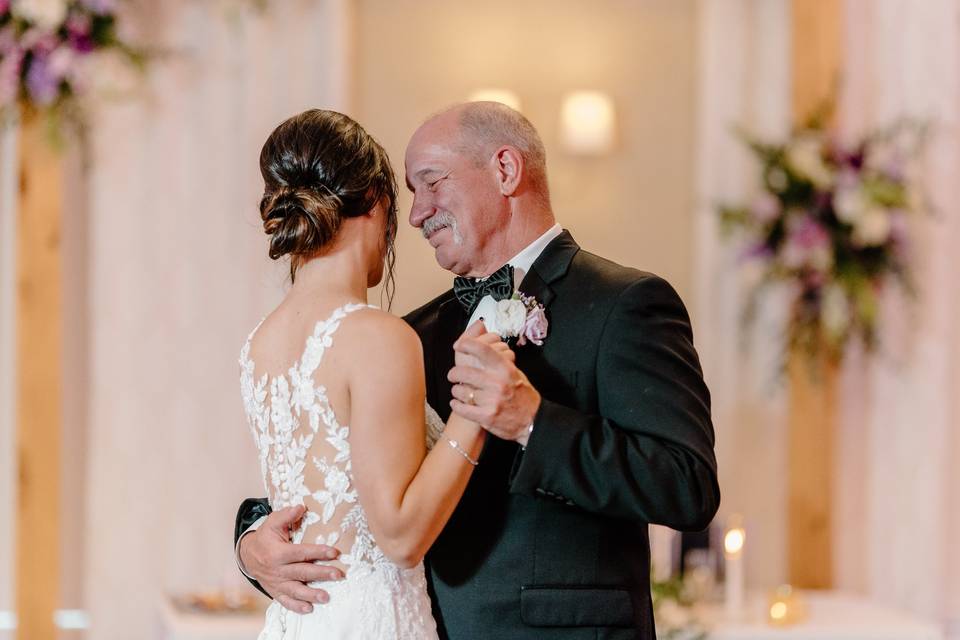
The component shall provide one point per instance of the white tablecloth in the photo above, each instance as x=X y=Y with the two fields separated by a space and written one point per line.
x=178 y=625
x=830 y=616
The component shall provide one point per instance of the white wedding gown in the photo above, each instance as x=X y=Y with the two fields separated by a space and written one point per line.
x=305 y=459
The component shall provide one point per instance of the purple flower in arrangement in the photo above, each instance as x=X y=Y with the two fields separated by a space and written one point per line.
x=4 y=6
x=855 y=158
x=41 y=83
x=79 y=24
x=807 y=245
x=82 y=44
x=757 y=251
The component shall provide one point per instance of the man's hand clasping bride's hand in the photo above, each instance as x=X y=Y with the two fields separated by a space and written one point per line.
x=489 y=388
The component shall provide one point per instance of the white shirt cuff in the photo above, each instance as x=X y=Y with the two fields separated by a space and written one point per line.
x=236 y=550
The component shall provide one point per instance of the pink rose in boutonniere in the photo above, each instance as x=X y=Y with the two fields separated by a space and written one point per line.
x=535 y=326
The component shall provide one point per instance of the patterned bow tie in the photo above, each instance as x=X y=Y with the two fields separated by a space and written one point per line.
x=470 y=291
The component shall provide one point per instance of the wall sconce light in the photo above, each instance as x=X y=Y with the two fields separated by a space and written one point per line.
x=587 y=123
x=504 y=96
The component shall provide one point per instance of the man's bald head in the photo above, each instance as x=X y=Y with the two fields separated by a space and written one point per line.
x=486 y=126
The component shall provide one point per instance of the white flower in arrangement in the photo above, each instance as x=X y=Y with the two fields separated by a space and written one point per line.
x=834 y=310
x=849 y=203
x=45 y=14
x=805 y=156
x=873 y=228
x=61 y=62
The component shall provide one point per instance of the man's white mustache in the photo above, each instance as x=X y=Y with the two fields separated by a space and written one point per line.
x=437 y=221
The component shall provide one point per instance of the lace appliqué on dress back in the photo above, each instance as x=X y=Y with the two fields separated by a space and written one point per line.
x=305 y=452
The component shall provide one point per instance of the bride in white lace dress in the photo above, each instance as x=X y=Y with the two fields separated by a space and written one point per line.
x=334 y=390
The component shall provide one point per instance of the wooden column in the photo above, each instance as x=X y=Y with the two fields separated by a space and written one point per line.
x=816 y=61
x=39 y=362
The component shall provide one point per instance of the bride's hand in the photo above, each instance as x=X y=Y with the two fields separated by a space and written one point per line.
x=479 y=332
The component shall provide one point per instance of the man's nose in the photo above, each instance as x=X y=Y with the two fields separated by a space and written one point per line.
x=420 y=210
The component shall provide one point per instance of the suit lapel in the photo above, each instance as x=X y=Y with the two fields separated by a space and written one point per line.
x=533 y=285
x=549 y=266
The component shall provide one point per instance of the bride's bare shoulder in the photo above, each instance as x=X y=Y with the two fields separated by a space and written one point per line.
x=377 y=335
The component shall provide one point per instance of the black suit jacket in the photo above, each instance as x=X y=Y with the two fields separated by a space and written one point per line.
x=551 y=541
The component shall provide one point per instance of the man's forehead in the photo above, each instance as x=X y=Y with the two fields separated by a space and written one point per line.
x=424 y=156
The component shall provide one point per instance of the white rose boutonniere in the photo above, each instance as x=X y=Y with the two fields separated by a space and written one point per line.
x=520 y=317
x=509 y=317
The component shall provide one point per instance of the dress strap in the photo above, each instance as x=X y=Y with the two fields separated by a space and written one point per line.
x=322 y=337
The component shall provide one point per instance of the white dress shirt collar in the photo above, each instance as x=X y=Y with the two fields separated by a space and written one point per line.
x=525 y=259
x=522 y=262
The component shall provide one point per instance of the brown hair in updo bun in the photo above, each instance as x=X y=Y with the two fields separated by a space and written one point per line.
x=320 y=167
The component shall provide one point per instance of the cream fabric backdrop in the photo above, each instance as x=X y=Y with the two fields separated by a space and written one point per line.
x=744 y=80
x=178 y=276
x=898 y=507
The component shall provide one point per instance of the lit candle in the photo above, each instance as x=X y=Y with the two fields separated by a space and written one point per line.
x=734 y=586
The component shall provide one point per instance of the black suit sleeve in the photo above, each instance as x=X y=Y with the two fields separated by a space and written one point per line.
x=649 y=455
x=251 y=510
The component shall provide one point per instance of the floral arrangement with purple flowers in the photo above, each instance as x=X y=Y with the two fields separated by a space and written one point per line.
x=832 y=221
x=45 y=50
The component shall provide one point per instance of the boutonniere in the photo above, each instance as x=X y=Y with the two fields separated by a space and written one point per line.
x=520 y=317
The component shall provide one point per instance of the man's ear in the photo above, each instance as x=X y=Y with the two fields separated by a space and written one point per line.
x=509 y=167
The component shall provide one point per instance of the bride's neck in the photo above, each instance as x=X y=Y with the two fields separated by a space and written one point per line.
x=335 y=274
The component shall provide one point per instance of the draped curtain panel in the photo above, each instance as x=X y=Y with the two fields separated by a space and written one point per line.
x=898 y=503
x=178 y=276
x=744 y=81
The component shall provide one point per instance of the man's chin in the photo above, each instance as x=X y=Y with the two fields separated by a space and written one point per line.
x=445 y=260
